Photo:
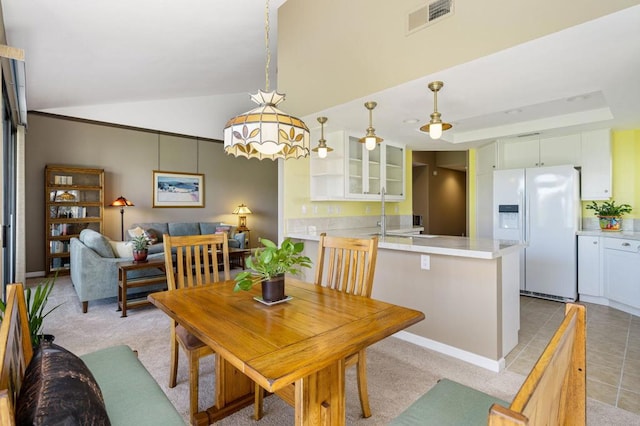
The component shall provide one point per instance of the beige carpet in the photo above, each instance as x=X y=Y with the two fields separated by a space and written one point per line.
x=398 y=372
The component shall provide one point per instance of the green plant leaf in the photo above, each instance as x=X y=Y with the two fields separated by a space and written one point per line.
x=271 y=260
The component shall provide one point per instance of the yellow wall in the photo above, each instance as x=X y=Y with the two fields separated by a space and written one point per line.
x=625 y=158
x=297 y=195
x=471 y=191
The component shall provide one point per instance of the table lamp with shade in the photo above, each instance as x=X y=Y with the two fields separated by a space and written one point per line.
x=121 y=202
x=242 y=210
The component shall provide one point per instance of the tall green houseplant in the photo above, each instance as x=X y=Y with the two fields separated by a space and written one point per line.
x=36 y=300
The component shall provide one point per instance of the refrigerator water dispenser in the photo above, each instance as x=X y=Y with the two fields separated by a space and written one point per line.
x=508 y=216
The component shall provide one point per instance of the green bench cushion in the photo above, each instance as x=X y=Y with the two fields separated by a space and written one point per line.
x=449 y=403
x=131 y=394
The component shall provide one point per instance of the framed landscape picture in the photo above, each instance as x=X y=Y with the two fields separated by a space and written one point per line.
x=171 y=189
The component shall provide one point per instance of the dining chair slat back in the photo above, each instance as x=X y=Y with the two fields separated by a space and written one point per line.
x=192 y=261
x=350 y=264
x=196 y=259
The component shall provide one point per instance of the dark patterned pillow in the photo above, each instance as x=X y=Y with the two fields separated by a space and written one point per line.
x=59 y=389
x=150 y=236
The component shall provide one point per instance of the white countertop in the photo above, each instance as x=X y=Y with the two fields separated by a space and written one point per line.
x=610 y=234
x=398 y=239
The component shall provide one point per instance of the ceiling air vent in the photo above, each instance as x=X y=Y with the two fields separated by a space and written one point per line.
x=428 y=14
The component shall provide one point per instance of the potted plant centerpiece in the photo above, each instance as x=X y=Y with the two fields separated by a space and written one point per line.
x=269 y=264
x=609 y=214
x=140 y=248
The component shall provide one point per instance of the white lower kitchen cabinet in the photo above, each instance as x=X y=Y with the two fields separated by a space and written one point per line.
x=609 y=272
x=589 y=271
x=622 y=271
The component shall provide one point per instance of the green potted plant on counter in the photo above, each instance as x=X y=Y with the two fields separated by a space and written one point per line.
x=609 y=214
x=269 y=264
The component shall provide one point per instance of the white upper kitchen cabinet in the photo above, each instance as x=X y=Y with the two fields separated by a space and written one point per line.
x=486 y=158
x=560 y=150
x=327 y=174
x=364 y=170
x=394 y=161
x=518 y=153
x=351 y=172
x=535 y=152
x=596 y=165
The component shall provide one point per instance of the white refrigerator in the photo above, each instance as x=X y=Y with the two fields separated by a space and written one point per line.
x=541 y=207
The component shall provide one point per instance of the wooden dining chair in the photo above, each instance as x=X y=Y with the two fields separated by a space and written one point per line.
x=192 y=261
x=346 y=265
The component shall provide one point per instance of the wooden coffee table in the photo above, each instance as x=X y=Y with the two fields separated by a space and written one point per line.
x=125 y=283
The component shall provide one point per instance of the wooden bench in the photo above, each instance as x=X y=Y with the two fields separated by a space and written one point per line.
x=554 y=392
x=131 y=395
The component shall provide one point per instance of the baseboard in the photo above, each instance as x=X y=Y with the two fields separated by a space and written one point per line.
x=612 y=303
x=35 y=274
x=454 y=352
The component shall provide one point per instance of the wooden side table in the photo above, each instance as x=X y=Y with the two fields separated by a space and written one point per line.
x=125 y=283
x=236 y=255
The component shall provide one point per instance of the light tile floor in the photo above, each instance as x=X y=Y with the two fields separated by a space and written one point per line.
x=613 y=349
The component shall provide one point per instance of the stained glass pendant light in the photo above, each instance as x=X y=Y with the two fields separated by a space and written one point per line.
x=266 y=131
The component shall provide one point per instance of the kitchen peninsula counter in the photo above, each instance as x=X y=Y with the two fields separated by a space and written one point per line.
x=468 y=289
x=402 y=239
x=631 y=235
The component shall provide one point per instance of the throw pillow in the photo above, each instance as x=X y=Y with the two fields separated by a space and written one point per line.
x=135 y=232
x=98 y=243
x=122 y=248
x=59 y=389
x=222 y=229
x=150 y=236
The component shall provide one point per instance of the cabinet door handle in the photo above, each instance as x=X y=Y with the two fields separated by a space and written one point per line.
x=595 y=242
x=626 y=244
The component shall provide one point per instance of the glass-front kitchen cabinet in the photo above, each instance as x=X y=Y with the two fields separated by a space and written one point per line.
x=74 y=201
x=364 y=173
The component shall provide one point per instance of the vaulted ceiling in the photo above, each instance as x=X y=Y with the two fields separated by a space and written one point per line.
x=83 y=53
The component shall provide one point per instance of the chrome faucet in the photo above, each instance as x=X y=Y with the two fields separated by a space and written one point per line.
x=383 y=216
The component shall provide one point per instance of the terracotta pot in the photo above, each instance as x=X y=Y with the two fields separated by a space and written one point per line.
x=273 y=289
x=140 y=255
x=610 y=223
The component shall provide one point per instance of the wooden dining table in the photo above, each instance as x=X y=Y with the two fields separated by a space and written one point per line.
x=296 y=349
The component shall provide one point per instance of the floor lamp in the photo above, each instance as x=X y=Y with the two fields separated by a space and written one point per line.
x=121 y=202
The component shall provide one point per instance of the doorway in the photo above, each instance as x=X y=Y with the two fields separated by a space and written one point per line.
x=440 y=191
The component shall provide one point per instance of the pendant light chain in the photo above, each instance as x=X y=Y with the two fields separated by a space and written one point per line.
x=266 y=40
